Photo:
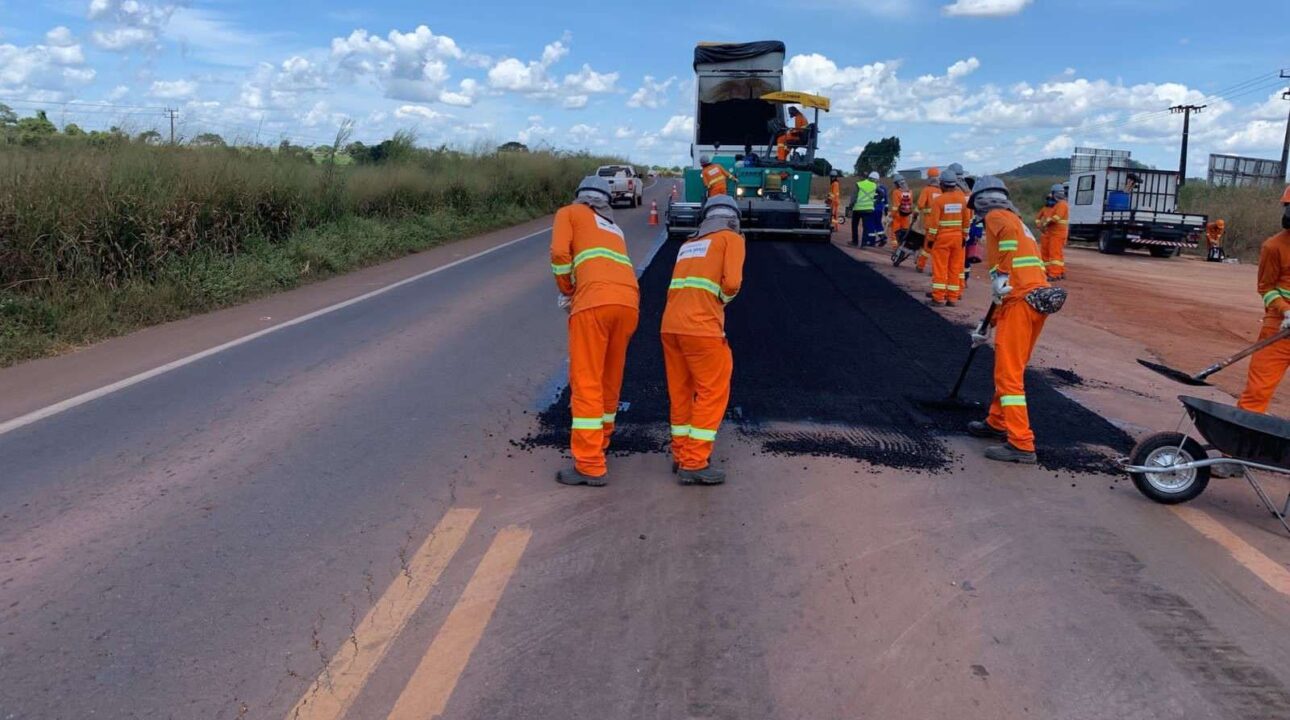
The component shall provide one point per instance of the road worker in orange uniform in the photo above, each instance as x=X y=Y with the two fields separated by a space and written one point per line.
x=1054 y=228
x=926 y=197
x=793 y=134
x=1269 y=365
x=708 y=274
x=714 y=176
x=835 y=196
x=1020 y=290
x=947 y=224
x=598 y=288
x=901 y=211
x=1214 y=240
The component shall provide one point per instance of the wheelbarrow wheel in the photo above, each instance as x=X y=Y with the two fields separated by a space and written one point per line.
x=1166 y=450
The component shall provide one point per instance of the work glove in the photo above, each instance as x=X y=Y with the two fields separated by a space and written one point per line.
x=1000 y=288
x=980 y=336
x=1285 y=320
x=564 y=302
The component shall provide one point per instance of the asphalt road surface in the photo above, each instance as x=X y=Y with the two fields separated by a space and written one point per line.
x=355 y=516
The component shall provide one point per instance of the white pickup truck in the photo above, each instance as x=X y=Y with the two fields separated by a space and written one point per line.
x=624 y=183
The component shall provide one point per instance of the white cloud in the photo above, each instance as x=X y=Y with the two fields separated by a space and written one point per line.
x=587 y=81
x=651 y=94
x=125 y=24
x=583 y=134
x=678 y=127
x=172 y=89
x=622 y=133
x=419 y=112
x=534 y=77
x=985 y=8
x=1059 y=145
x=1256 y=136
x=409 y=66
x=283 y=86
x=535 y=132
x=118 y=92
x=46 y=70
x=963 y=68
x=574 y=102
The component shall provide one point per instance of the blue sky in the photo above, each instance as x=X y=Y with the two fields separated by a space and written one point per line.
x=989 y=83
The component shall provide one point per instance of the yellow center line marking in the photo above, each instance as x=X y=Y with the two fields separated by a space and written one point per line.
x=426 y=694
x=1265 y=568
x=333 y=692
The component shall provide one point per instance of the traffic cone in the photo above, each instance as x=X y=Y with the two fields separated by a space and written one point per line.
x=653 y=212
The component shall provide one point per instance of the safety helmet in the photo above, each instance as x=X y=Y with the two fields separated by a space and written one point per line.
x=1220 y=224
x=794 y=111
x=901 y=182
x=957 y=168
x=1058 y=189
x=987 y=184
x=949 y=178
x=595 y=183
x=704 y=159
x=721 y=202
x=933 y=173
x=873 y=176
x=1285 y=196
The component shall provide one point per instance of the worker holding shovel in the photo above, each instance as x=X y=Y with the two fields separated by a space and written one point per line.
x=1269 y=365
x=1025 y=299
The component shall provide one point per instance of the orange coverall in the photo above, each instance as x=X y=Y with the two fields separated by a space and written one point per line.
x=926 y=197
x=898 y=221
x=590 y=262
x=708 y=274
x=1269 y=365
x=1054 y=227
x=1012 y=250
x=714 y=179
x=945 y=227
x=835 y=199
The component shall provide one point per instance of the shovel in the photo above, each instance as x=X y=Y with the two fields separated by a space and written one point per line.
x=1198 y=379
x=952 y=401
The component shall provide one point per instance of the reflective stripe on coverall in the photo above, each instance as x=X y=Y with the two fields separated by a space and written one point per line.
x=1011 y=249
x=590 y=262
x=946 y=226
x=1054 y=227
x=696 y=356
x=714 y=179
x=1269 y=365
x=926 y=197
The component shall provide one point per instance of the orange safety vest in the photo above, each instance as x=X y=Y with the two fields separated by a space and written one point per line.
x=708 y=274
x=949 y=218
x=1011 y=249
x=590 y=261
x=714 y=179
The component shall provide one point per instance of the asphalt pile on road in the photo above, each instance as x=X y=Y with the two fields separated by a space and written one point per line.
x=833 y=359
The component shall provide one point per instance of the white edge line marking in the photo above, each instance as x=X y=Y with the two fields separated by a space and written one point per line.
x=78 y=400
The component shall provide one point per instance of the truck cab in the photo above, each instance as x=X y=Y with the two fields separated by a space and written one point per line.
x=1121 y=206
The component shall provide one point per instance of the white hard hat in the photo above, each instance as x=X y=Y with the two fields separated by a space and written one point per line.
x=873 y=176
x=595 y=183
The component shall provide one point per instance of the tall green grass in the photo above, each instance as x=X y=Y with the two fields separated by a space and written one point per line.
x=95 y=241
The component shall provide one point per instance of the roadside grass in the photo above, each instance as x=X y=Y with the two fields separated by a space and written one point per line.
x=99 y=241
x=54 y=319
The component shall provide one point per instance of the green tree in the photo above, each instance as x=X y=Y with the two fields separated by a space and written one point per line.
x=208 y=139
x=36 y=129
x=73 y=130
x=822 y=167
x=879 y=157
x=7 y=116
x=513 y=146
x=149 y=137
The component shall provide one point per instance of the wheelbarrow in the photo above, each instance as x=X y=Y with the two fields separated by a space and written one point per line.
x=1172 y=467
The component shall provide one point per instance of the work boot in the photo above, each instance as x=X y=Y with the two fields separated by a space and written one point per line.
x=706 y=476
x=676 y=467
x=951 y=303
x=1007 y=453
x=928 y=295
x=982 y=429
x=936 y=303
x=571 y=476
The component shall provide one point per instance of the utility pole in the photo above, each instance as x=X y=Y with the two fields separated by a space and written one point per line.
x=1186 y=110
x=1285 y=147
x=172 y=112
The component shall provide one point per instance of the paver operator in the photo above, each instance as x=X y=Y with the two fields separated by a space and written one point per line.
x=1269 y=365
x=598 y=288
x=707 y=276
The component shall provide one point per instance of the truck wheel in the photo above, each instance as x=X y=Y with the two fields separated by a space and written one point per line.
x=1165 y=252
x=1108 y=244
x=1165 y=450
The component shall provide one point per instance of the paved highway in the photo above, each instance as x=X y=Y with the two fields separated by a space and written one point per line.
x=332 y=520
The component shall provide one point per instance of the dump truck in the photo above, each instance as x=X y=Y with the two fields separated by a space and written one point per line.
x=1121 y=205
x=740 y=110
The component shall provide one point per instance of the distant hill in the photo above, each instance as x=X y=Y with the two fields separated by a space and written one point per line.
x=1055 y=167
x=1052 y=167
